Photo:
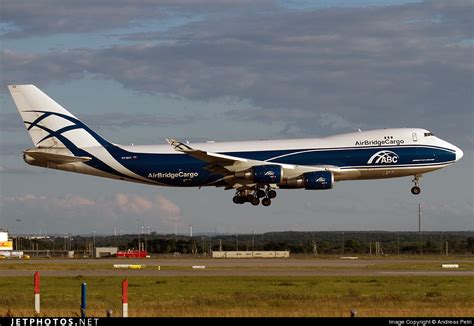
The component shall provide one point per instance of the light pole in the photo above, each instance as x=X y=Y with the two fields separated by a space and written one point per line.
x=17 y=247
x=398 y=244
x=93 y=243
x=138 y=220
x=343 y=244
x=419 y=229
x=147 y=233
x=253 y=241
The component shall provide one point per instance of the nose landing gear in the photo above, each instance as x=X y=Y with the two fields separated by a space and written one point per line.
x=416 y=189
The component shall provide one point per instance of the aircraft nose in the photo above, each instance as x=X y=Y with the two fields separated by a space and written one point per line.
x=459 y=154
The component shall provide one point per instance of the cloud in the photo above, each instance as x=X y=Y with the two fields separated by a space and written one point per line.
x=451 y=209
x=67 y=209
x=132 y=204
x=112 y=120
x=326 y=70
x=168 y=207
x=26 y=18
x=11 y=122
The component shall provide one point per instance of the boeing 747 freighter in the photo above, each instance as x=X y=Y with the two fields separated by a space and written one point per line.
x=254 y=169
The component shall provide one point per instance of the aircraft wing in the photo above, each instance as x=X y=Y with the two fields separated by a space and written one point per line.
x=214 y=158
x=227 y=165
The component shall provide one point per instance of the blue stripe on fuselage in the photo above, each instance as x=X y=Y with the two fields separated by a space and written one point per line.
x=183 y=170
x=166 y=168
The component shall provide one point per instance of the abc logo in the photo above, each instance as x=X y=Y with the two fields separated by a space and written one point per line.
x=383 y=157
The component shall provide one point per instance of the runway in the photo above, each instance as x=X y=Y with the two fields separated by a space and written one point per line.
x=238 y=267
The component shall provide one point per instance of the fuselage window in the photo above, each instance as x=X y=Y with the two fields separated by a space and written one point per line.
x=427 y=134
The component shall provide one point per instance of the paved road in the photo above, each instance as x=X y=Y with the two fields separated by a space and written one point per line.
x=76 y=273
x=237 y=267
x=238 y=261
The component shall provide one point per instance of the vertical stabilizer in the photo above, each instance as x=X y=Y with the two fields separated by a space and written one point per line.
x=48 y=123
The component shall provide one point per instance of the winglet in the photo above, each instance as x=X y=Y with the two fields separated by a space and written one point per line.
x=179 y=146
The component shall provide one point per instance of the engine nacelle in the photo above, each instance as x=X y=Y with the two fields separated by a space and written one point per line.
x=312 y=181
x=318 y=180
x=264 y=174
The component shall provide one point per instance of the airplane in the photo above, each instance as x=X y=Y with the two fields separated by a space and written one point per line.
x=254 y=169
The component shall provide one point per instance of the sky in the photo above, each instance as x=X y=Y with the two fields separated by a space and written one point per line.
x=197 y=70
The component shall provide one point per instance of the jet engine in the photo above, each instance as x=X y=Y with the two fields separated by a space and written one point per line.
x=320 y=180
x=264 y=174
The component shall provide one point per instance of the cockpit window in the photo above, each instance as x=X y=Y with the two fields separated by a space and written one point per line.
x=427 y=134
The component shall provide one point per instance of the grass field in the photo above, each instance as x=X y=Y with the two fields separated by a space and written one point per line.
x=246 y=296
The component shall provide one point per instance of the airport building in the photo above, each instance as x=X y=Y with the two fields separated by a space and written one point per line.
x=250 y=254
x=101 y=252
x=5 y=242
x=6 y=247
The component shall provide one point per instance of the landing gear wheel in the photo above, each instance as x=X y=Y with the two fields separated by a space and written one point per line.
x=415 y=190
x=266 y=202
x=272 y=194
x=255 y=201
x=238 y=200
x=260 y=193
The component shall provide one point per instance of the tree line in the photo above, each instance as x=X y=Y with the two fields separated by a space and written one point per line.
x=321 y=243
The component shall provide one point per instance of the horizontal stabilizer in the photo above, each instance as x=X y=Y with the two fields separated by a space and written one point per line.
x=45 y=157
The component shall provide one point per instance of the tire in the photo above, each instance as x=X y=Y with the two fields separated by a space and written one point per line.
x=255 y=201
x=266 y=202
x=272 y=194
x=415 y=190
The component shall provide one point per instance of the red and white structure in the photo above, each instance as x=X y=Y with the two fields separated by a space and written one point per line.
x=132 y=254
x=125 y=298
x=37 y=292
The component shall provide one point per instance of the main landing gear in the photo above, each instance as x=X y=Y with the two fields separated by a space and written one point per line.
x=253 y=196
x=416 y=189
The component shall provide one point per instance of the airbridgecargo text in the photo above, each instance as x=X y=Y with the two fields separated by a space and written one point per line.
x=379 y=142
x=170 y=175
